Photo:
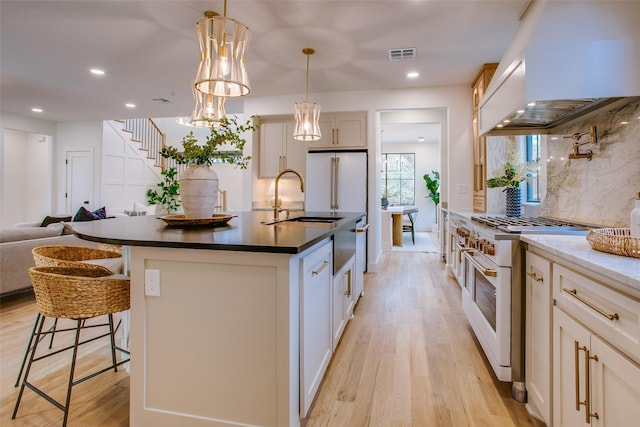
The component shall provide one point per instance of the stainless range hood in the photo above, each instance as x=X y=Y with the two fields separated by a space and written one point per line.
x=567 y=59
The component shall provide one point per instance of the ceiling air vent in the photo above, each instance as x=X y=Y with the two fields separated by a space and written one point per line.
x=402 y=54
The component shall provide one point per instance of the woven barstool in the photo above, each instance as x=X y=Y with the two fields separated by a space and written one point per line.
x=78 y=294
x=66 y=256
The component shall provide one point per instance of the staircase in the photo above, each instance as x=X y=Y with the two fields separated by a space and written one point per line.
x=150 y=139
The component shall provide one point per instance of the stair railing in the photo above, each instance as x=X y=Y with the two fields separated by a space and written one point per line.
x=151 y=139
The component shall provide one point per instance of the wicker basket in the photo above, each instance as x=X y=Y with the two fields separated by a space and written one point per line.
x=110 y=247
x=78 y=293
x=616 y=241
x=68 y=256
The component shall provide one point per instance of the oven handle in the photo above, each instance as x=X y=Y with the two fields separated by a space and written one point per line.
x=485 y=271
x=462 y=250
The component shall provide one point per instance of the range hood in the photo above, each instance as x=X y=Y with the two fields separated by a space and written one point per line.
x=567 y=59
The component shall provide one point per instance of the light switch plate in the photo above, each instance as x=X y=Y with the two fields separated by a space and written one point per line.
x=152 y=283
x=461 y=188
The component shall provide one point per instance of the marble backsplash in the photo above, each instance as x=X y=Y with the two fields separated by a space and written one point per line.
x=600 y=191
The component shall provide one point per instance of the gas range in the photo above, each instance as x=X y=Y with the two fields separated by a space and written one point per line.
x=532 y=225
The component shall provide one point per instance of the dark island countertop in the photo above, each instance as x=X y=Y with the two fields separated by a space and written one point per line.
x=244 y=232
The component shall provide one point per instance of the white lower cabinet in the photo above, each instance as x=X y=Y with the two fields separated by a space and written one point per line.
x=315 y=328
x=538 y=336
x=593 y=383
x=343 y=299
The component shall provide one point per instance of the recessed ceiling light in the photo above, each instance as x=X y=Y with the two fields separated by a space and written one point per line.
x=554 y=138
x=130 y=105
x=624 y=123
x=37 y=110
x=97 y=72
x=506 y=121
x=520 y=111
x=531 y=104
x=500 y=125
x=421 y=139
x=413 y=74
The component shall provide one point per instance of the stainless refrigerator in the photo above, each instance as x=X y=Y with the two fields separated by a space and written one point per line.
x=336 y=181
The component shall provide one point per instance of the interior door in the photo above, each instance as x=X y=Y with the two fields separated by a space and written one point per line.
x=79 y=189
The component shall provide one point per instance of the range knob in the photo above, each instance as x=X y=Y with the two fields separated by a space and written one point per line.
x=489 y=249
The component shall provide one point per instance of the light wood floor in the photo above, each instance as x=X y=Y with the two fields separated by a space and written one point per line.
x=408 y=358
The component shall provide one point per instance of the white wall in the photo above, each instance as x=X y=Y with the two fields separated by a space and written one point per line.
x=27 y=170
x=26 y=132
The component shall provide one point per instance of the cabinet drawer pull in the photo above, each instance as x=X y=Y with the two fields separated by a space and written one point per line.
x=322 y=267
x=535 y=277
x=574 y=293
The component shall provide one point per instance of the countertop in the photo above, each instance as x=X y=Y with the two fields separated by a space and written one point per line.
x=576 y=249
x=244 y=232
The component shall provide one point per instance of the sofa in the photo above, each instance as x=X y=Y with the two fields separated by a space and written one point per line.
x=16 y=244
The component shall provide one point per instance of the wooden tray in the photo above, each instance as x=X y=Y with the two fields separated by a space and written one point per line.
x=617 y=241
x=180 y=221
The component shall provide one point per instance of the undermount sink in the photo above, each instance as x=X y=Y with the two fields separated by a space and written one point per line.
x=320 y=219
x=306 y=221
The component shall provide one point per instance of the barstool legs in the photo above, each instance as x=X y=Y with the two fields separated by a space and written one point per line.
x=36 y=337
x=31 y=356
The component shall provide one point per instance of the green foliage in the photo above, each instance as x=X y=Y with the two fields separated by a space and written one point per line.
x=228 y=132
x=167 y=193
x=511 y=179
x=432 y=185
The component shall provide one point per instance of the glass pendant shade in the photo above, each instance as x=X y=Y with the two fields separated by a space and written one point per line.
x=223 y=42
x=307 y=127
x=207 y=110
x=307 y=114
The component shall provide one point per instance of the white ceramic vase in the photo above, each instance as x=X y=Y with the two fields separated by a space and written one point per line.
x=198 y=191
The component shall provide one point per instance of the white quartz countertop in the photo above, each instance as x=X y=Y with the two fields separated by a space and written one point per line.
x=576 y=250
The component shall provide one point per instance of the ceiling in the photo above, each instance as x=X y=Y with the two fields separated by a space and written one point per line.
x=149 y=50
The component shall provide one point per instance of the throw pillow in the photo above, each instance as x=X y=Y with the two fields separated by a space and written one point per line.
x=84 y=214
x=54 y=219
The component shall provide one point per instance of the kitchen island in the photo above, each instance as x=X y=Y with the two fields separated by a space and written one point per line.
x=216 y=316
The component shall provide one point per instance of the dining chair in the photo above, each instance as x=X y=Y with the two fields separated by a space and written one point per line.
x=409 y=226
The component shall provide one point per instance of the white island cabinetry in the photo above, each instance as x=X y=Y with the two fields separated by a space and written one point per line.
x=220 y=344
x=315 y=328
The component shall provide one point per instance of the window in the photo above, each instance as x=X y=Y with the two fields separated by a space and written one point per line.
x=398 y=178
x=532 y=186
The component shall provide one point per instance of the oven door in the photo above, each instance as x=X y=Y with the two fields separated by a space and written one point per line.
x=488 y=309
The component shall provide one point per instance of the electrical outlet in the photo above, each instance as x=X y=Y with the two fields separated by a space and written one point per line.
x=152 y=283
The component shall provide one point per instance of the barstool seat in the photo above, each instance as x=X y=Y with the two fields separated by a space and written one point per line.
x=76 y=293
x=103 y=260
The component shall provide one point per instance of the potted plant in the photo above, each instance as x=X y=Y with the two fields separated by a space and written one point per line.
x=199 y=183
x=165 y=197
x=510 y=181
x=433 y=185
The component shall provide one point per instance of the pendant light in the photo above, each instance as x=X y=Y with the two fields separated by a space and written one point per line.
x=307 y=113
x=208 y=109
x=222 y=43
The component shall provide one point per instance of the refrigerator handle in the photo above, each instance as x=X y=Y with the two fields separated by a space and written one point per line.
x=335 y=196
x=331 y=185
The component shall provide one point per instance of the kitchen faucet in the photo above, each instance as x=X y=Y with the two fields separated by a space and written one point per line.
x=276 y=209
